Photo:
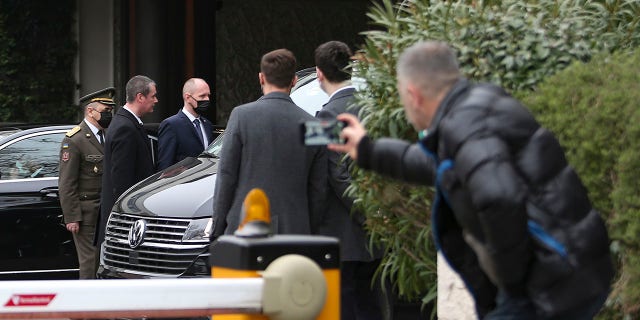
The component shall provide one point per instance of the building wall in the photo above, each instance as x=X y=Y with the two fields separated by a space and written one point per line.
x=220 y=41
x=246 y=29
x=95 y=63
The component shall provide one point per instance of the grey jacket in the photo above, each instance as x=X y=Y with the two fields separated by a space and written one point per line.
x=262 y=148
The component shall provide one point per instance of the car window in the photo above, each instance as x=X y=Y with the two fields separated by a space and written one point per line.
x=307 y=94
x=154 y=148
x=215 y=146
x=33 y=156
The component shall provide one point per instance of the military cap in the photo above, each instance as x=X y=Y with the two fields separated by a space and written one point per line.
x=104 y=96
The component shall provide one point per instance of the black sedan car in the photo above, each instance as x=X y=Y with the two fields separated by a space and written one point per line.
x=160 y=227
x=34 y=243
x=174 y=209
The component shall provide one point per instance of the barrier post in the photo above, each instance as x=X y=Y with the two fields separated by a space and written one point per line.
x=248 y=253
x=236 y=257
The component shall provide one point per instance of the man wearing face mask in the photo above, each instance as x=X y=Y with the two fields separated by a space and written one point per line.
x=187 y=133
x=80 y=181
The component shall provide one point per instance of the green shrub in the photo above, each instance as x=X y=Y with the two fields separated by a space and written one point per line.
x=7 y=43
x=593 y=110
x=625 y=218
x=587 y=108
x=512 y=43
x=37 y=61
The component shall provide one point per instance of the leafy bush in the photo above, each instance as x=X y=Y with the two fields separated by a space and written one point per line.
x=593 y=109
x=36 y=61
x=516 y=44
x=4 y=61
x=625 y=218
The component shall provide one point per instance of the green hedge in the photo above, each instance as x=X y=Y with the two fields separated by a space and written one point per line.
x=593 y=109
x=625 y=220
x=37 y=61
x=516 y=44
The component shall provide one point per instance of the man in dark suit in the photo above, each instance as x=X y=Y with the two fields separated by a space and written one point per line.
x=262 y=148
x=80 y=181
x=187 y=133
x=127 y=151
x=358 y=299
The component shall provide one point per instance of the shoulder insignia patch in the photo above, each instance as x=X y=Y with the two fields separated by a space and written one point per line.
x=73 y=131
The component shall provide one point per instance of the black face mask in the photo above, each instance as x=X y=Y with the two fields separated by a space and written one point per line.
x=105 y=119
x=202 y=106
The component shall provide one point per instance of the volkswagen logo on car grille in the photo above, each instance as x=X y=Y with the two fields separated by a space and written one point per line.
x=136 y=233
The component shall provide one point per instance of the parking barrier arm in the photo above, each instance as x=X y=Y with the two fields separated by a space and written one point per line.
x=292 y=287
x=130 y=298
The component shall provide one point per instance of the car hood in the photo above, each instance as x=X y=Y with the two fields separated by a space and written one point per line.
x=184 y=190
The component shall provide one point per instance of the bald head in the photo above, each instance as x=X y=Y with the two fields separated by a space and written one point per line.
x=195 y=90
x=193 y=84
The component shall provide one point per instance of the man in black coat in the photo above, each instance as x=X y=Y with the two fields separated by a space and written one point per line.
x=510 y=215
x=187 y=133
x=361 y=298
x=127 y=151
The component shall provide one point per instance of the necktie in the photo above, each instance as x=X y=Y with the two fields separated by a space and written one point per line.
x=100 y=137
x=198 y=130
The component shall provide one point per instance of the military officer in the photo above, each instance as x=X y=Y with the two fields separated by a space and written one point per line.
x=81 y=155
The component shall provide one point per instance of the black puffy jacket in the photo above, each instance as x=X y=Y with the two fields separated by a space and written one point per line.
x=509 y=213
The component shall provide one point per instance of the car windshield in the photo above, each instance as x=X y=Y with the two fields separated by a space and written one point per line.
x=214 y=148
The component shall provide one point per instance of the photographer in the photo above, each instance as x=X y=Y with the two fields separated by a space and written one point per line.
x=510 y=215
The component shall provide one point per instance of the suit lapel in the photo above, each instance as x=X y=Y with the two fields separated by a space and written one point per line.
x=186 y=122
x=86 y=131
x=125 y=113
x=208 y=129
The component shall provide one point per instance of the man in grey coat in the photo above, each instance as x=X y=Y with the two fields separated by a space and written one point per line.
x=360 y=297
x=262 y=149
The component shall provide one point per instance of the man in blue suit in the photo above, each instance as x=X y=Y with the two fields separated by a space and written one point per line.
x=187 y=133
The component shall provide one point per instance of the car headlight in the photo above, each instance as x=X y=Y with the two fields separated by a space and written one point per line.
x=198 y=230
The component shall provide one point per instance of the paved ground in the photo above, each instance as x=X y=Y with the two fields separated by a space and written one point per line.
x=454 y=302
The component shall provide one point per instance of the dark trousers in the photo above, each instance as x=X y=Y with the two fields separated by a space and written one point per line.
x=521 y=308
x=360 y=298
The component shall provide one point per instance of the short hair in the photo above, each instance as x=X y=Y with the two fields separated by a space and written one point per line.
x=431 y=65
x=333 y=58
x=138 y=84
x=279 y=67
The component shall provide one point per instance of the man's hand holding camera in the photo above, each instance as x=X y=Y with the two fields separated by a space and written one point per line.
x=352 y=134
